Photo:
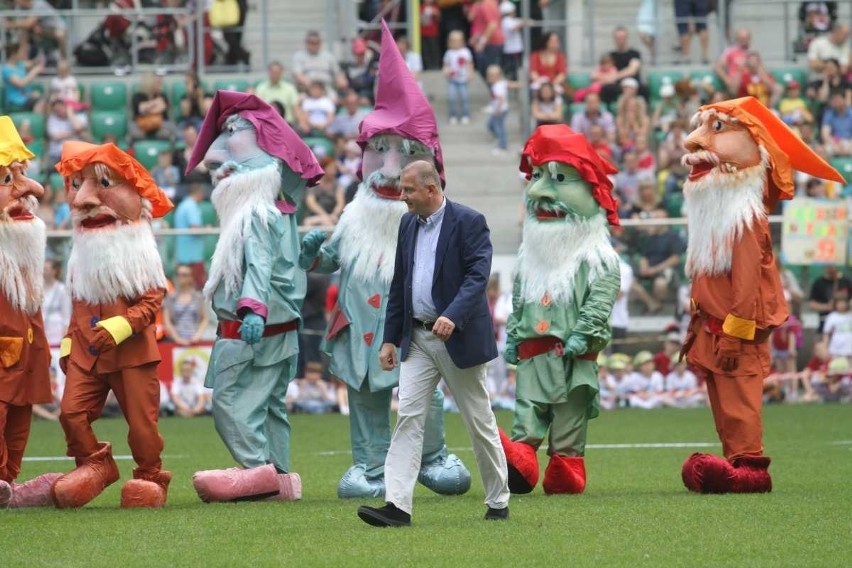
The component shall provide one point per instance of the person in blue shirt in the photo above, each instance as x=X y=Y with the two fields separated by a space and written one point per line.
x=18 y=76
x=837 y=125
x=189 y=249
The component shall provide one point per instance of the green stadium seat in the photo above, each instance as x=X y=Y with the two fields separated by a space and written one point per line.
x=147 y=151
x=784 y=74
x=703 y=74
x=240 y=85
x=36 y=120
x=657 y=79
x=56 y=180
x=209 y=219
x=320 y=144
x=579 y=79
x=674 y=204
x=103 y=122
x=109 y=96
x=37 y=147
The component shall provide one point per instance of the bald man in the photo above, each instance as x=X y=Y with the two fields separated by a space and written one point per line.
x=437 y=314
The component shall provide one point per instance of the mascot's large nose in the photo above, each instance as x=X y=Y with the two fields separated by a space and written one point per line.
x=25 y=186
x=87 y=195
x=697 y=140
x=214 y=158
x=542 y=189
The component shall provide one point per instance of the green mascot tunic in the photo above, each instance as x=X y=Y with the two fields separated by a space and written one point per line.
x=566 y=283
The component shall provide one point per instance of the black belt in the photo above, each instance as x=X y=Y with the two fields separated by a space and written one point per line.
x=427 y=325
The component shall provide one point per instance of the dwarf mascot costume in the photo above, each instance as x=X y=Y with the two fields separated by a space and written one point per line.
x=117 y=285
x=400 y=130
x=742 y=159
x=24 y=353
x=259 y=168
x=566 y=282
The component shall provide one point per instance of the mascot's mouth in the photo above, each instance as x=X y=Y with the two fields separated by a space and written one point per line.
x=700 y=170
x=387 y=191
x=98 y=221
x=18 y=213
x=549 y=214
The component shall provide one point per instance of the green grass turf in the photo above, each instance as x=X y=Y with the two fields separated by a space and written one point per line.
x=635 y=510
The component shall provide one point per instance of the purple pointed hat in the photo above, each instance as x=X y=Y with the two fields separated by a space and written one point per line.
x=274 y=135
x=401 y=107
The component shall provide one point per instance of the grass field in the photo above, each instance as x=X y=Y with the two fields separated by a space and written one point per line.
x=635 y=510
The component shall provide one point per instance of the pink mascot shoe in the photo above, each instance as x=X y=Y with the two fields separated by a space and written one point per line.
x=522 y=462
x=146 y=490
x=237 y=484
x=93 y=474
x=34 y=493
x=289 y=487
x=565 y=475
x=706 y=473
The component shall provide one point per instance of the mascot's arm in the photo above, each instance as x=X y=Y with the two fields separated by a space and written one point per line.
x=328 y=260
x=258 y=270
x=593 y=320
x=510 y=353
x=138 y=316
x=746 y=262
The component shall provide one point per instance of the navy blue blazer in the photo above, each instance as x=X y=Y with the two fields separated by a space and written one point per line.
x=462 y=268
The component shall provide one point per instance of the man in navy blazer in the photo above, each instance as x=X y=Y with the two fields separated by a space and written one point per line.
x=437 y=313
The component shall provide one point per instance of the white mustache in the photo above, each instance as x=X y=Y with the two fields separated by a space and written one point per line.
x=28 y=203
x=78 y=216
x=700 y=157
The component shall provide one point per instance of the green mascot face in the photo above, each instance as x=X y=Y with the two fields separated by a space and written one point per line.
x=556 y=191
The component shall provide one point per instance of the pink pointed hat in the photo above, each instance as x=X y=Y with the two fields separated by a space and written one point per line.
x=401 y=107
x=274 y=135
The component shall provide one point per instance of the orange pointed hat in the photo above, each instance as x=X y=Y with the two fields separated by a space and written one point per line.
x=77 y=155
x=787 y=152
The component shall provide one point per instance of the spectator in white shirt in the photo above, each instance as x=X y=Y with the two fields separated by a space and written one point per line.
x=188 y=393
x=838 y=329
x=645 y=386
x=682 y=389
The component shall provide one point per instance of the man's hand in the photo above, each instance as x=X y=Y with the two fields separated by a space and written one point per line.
x=510 y=353
x=252 y=328
x=443 y=328
x=102 y=340
x=728 y=353
x=387 y=357
x=576 y=345
x=311 y=245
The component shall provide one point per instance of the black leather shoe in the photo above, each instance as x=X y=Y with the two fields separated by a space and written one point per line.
x=387 y=516
x=497 y=514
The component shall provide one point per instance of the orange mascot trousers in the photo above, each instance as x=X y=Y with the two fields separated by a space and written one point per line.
x=736 y=397
x=137 y=390
x=14 y=431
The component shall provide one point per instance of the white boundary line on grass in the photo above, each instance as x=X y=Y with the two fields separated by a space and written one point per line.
x=66 y=458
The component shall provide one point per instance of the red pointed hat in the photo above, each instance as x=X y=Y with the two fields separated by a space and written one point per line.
x=274 y=135
x=558 y=143
x=401 y=107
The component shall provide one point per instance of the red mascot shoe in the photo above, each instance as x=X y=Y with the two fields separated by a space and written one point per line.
x=705 y=473
x=34 y=493
x=149 y=490
x=565 y=475
x=522 y=463
x=93 y=474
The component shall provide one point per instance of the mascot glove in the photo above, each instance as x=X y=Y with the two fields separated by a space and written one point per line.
x=576 y=345
x=311 y=245
x=728 y=353
x=102 y=340
x=252 y=328
x=510 y=352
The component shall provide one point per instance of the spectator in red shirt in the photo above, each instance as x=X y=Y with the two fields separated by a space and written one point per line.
x=731 y=63
x=430 y=34
x=665 y=360
x=486 y=34
x=548 y=64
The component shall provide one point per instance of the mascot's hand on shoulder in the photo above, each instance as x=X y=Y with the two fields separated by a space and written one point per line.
x=311 y=245
x=252 y=328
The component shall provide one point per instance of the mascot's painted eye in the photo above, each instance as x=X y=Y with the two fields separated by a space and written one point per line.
x=536 y=174
x=231 y=129
x=76 y=183
x=8 y=179
x=560 y=177
x=105 y=182
x=717 y=125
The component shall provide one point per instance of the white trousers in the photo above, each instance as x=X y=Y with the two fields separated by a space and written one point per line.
x=420 y=373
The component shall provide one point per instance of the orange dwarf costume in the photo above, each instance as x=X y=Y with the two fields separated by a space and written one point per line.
x=24 y=352
x=117 y=286
x=742 y=159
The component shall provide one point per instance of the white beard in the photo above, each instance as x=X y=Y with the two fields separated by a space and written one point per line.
x=237 y=199
x=22 y=246
x=366 y=235
x=120 y=262
x=574 y=242
x=719 y=207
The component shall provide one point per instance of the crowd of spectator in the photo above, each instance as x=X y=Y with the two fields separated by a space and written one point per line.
x=636 y=123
